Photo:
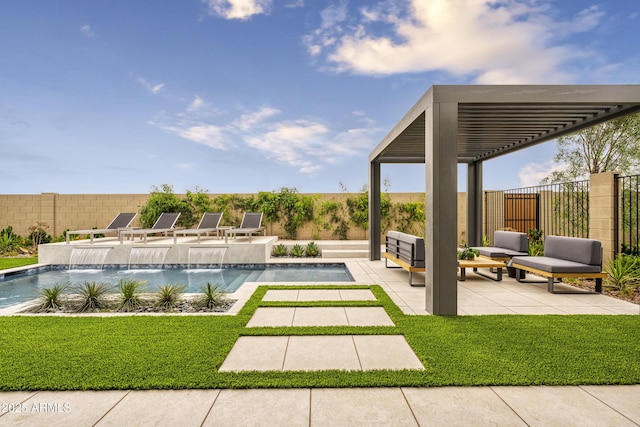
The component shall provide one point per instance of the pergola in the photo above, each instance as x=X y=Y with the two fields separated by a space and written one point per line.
x=469 y=124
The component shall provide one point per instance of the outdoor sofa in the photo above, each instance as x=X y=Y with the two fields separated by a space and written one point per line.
x=506 y=245
x=564 y=257
x=406 y=251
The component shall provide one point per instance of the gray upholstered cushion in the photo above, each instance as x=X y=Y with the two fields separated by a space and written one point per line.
x=554 y=265
x=583 y=251
x=512 y=240
x=495 y=252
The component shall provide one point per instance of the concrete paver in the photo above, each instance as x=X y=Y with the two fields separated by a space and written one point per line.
x=257 y=354
x=320 y=316
x=156 y=407
x=312 y=353
x=368 y=316
x=385 y=352
x=272 y=316
x=625 y=399
x=460 y=406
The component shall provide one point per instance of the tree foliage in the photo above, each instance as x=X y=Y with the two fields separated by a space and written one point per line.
x=613 y=146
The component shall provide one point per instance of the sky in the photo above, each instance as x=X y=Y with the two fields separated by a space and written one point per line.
x=241 y=96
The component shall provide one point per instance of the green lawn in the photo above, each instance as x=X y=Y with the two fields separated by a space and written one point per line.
x=144 y=352
x=16 y=262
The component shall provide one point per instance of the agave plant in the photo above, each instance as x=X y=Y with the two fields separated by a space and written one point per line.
x=312 y=249
x=280 y=250
x=210 y=297
x=622 y=272
x=50 y=299
x=297 y=251
x=168 y=296
x=129 y=294
x=92 y=296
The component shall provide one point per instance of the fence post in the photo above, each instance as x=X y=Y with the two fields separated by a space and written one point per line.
x=602 y=212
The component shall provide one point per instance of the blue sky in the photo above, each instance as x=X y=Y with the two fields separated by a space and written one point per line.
x=239 y=96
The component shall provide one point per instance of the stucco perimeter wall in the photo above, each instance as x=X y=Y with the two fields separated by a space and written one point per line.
x=84 y=211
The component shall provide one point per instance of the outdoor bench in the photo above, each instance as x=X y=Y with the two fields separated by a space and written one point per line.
x=406 y=251
x=564 y=257
x=506 y=245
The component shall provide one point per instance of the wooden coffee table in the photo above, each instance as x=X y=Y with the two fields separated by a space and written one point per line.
x=480 y=262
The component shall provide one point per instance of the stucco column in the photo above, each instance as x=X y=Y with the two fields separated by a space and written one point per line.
x=602 y=212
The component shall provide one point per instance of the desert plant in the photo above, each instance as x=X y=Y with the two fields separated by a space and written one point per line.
x=211 y=297
x=279 y=250
x=50 y=299
x=92 y=296
x=129 y=294
x=622 y=271
x=312 y=249
x=168 y=296
x=297 y=251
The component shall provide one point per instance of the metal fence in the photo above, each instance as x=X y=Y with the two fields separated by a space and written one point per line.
x=628 y=199
x=554 y=209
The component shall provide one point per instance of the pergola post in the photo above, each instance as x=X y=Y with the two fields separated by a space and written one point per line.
x=374 y=211
x=441 y=286
x=474 y=204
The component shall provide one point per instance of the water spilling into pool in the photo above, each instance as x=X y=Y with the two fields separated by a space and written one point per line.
x=148 y=255
x=85 y=257
x=26 y=286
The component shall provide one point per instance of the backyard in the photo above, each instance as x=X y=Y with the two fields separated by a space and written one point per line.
x=180 y=352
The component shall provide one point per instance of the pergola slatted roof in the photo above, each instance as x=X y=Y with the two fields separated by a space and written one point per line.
x=471 y=124
x=493 y=127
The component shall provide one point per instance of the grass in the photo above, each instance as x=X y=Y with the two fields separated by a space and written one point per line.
x=176 y=352
x=16 y=262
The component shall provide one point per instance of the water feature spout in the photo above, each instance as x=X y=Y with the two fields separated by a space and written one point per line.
x=206 y=256
x=88 y=257
x=147 y=255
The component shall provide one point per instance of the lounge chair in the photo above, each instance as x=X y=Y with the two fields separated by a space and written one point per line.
x=121 y=221
x=251 y=223
x=164 y=224
x=209 y=223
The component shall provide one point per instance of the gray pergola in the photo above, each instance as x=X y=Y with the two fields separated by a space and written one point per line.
x=469 y=124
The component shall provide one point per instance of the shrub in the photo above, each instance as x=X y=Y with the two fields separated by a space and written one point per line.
x=91 y=296
x=312 y=249
x=280 y=250
x=468 y=253
x=129 y=298
x=297 y=251
x=210 y=298
x=623 y=271
x=164 y=200
x=168 y=296
x=50 y=299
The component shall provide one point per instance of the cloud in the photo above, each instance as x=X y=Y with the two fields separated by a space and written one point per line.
x=154 y=89
x=238 y=9
x=532 y=173
x=87 y=31
x=495 y=41
x=306 y=144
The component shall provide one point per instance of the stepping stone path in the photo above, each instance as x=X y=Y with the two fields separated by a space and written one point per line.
x=320 y=352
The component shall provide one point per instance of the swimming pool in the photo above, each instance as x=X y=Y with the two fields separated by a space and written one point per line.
x=25 y=286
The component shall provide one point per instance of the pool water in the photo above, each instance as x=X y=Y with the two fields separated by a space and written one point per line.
x=26 y=286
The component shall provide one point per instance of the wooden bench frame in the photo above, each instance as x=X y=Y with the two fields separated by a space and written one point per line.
x=552 y=276
x=405 y=265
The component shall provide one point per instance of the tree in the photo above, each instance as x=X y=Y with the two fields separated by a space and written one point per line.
x=613 y=146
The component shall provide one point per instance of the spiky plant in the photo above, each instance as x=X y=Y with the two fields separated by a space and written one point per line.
x=210 y=298
x=297 y=251
x=129 y=294
x=312 y=249
x=50 y=299
x=92 y=296
x=168 y=296
x=280 y=250
x=623 y=271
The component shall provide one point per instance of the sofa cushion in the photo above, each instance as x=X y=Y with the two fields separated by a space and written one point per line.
x=554 y=265
x=494 y=252
x=512 y=240
x=579 y=250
